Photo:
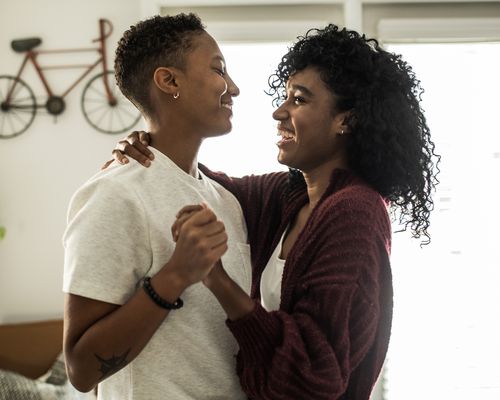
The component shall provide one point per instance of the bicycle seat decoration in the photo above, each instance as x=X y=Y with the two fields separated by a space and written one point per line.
x=22 y=45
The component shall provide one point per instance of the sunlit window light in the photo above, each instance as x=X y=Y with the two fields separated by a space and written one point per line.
x=251 y=146
x=446 y=331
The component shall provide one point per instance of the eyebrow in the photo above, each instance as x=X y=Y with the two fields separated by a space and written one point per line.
x=302 y=89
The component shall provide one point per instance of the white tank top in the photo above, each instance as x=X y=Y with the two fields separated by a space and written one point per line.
x=270 y=282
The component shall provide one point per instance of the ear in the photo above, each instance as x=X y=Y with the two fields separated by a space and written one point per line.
x=165 y=79
x=341 y=122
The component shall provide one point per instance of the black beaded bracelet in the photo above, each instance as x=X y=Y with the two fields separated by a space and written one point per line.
x=148 y=288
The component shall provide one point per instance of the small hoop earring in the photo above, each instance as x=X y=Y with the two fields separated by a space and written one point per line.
x=176 y=96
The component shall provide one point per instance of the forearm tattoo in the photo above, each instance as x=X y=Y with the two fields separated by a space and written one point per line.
x=111 y=365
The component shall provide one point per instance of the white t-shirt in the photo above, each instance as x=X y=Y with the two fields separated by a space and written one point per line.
x=270 y=282
x=119 y=232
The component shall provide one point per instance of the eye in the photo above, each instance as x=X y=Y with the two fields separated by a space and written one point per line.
x=220 y=71
x=298 y=100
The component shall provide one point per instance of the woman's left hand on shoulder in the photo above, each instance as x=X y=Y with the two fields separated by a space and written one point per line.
x=135 y=146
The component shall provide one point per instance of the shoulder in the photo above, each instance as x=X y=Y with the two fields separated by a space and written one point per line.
x=356 y=196
x=359 y=196
x=122 y=174
x=130 y=175
x=108 y=189
x=356 y=204
x=111 y=179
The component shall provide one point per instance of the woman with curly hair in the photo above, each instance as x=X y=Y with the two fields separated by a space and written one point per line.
x=317 y=322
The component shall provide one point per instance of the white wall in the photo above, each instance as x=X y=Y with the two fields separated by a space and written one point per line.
x=40 y=169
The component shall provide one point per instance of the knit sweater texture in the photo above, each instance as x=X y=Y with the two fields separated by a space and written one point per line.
x=329 y=338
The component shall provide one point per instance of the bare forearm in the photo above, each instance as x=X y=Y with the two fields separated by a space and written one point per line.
x=233 y=299
x=114 y=340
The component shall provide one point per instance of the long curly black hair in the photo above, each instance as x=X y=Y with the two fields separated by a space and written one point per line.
x=152 y=43
x=389 y=143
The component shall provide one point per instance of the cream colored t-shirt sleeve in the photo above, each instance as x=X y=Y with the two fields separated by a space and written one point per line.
x=106 y=242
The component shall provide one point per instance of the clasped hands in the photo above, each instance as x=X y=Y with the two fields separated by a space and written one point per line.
x=201 y=240
x=200 y=237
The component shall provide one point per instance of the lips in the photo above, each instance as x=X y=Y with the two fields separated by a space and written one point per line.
x=287 y=135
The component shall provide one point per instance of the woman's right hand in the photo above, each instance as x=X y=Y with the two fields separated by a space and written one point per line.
x=134 y=145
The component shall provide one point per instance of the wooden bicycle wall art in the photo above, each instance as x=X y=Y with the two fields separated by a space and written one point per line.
x=103 y=105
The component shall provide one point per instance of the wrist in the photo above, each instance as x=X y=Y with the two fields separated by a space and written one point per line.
x=216 y=278
x=235 y=302
x=169 y=283
x=157 y=299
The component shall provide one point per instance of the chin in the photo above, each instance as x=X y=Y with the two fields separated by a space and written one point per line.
x=219 y=133
x=220 y=130
x=290 y=163
x=283 y=160
x=226 y=129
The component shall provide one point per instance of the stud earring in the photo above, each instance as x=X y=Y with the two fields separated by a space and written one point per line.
x=176 y=96
x=341 y=132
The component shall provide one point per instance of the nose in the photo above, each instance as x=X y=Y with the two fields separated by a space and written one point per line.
x=232 y=89
x=281 y=113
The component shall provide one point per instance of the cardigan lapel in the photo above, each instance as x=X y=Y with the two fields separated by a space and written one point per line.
x=299 y=258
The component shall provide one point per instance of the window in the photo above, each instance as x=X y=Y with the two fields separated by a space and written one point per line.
x=445 y=342
x=446 y=332
x=250 y=147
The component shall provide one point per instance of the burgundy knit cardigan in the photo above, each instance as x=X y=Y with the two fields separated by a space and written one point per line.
x=330 y=336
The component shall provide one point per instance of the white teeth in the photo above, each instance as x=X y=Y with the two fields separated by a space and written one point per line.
x=285 y=134
x=228 y=106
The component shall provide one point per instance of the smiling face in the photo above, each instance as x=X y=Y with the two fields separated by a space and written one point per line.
x=206 y=89
x=311 y=131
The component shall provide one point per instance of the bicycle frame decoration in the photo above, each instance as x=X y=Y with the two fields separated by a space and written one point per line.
x=103 y=105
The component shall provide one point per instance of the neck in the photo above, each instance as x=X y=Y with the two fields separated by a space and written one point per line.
x=182 y=148
x=318 y=180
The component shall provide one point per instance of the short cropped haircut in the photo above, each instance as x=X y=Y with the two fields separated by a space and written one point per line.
x=152 y=43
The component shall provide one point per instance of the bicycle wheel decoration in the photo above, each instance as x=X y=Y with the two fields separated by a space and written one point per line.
x=17 y=106
x=108 y=115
